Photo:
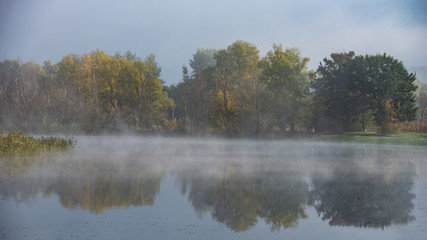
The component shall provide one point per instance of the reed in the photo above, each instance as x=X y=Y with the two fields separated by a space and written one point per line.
x=17 y=143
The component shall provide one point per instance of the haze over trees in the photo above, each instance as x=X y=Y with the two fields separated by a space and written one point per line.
x=232 y=91
x=92 y=92
x=244 y=94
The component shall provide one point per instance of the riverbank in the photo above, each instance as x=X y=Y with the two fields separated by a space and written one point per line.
x=418 y=139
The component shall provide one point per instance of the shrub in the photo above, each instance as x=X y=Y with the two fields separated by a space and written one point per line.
x=418 y=127
x=18 y=143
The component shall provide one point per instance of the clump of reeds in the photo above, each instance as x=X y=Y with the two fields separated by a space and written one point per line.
x=15 y=143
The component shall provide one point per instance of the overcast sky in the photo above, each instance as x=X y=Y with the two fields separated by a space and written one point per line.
x=39 y=30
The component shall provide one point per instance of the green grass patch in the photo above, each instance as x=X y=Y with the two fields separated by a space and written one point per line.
x=17 y=143
x=418 y=139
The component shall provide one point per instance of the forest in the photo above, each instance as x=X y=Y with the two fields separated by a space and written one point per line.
x=231 y=92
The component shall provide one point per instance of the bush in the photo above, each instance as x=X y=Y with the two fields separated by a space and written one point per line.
x=418 y=127
x=18 y=143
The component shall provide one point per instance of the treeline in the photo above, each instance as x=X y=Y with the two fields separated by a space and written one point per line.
x=235 y=91
x=92 y=92
x=230 y=91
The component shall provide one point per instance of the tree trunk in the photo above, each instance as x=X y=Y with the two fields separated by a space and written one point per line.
x=363 y=122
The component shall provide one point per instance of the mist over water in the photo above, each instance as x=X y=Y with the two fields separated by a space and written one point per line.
x=160 y=187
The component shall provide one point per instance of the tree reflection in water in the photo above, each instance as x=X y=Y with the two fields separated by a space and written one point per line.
x=14 y=182
x=238 y=199
x=347 y=187
x=360 y=196
x=16 y=166
x=90 y=184
x=99 y=186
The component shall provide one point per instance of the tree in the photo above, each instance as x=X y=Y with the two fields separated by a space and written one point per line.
x=245 y=74
x=385 y=87
x=285 y=76
x=195 y=91
x=106 y=72
x=202 y=59
x=69 y=104
x=234 y=99
x=153 y=101
x=347 y=88
x=224 y=104
x=20 y=94
x=329 y=93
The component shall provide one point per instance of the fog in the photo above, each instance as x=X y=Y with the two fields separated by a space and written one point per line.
x=204 y=155
x=134 y=158
x=64 y=71
x=240 y=184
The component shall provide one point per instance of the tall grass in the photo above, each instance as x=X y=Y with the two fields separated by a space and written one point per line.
x=17 y=143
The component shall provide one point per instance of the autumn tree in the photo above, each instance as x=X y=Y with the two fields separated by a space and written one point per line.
x=92 y=92
x=69 y=106
x=245 y=85
x=285 y=75
x=224 y=109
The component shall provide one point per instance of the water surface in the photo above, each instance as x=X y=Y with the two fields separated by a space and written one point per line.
x=182 y=188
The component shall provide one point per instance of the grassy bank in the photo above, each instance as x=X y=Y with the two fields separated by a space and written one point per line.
x=17 y=143
x=375 y=138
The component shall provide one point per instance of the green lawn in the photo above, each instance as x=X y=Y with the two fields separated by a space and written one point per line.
x=375 y=138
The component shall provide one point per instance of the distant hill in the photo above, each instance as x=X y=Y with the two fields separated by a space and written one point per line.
x=421 y=73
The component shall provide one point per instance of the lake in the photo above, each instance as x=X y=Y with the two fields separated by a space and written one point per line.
x=125 y=187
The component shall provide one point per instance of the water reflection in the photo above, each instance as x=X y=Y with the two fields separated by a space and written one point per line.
x=348 y=186
x=102 y=185
x=236 y=186
x=356 y=193
x=14 y=181
x=16 y=166
x=90 y=184
x=240 y=198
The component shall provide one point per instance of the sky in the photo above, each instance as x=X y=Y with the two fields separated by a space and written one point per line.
x=39 y=30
